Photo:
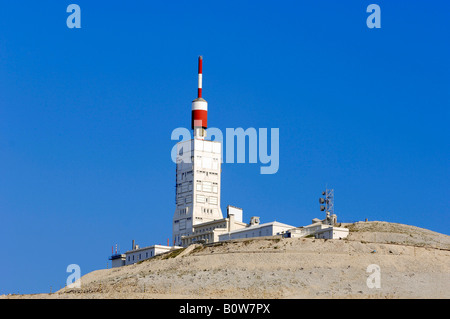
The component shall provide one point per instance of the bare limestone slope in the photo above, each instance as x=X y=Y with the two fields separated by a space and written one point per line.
x=414 y=263
x=393 y=233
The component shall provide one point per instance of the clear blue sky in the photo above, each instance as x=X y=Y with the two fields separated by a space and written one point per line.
x=86 y=117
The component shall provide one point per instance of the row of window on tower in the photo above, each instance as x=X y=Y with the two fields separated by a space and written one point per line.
x=186 y=177
x=207 y=162
x=208 y=187
x=207 y=199
x=202 y=199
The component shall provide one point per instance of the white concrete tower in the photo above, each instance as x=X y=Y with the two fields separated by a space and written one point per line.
x=198 y=174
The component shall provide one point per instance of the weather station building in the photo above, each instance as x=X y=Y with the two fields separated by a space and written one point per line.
x=198 y=217
x=197 y=174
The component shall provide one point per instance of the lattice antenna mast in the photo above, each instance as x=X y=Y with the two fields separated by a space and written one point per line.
x=327 y=203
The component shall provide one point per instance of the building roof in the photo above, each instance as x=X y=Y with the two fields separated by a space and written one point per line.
x=216 y=230
x=116 y=256
x=151 y=247
x=331 y=228
x=211 y=222
x=274 y=223
x=216 y=221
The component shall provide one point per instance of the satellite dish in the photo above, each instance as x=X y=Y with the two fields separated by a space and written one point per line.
x=321 y=201
x=322 y=208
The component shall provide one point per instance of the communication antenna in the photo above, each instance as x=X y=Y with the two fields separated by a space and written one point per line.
x=327 y=203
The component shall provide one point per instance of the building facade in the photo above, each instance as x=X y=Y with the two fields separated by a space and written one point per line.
x=304 y=231
x=332 y=233
x=209 y=232
x=137 y=254
x=197 y=186
x=256 y=230
x=117 y=260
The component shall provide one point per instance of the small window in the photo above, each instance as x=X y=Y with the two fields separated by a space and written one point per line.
x=207 y=187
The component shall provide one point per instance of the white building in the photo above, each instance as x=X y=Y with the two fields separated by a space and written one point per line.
x=198 y=217
x=117 y=260
x=332 y=233
x=137 y=254
x=209 y=232
x=317 y=226
x=197 y=186
x=197 y=174
x=304 y=231
x=255 y=229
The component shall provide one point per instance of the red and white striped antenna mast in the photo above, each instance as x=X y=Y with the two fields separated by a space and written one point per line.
x=200 y=70
x=199 y=107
